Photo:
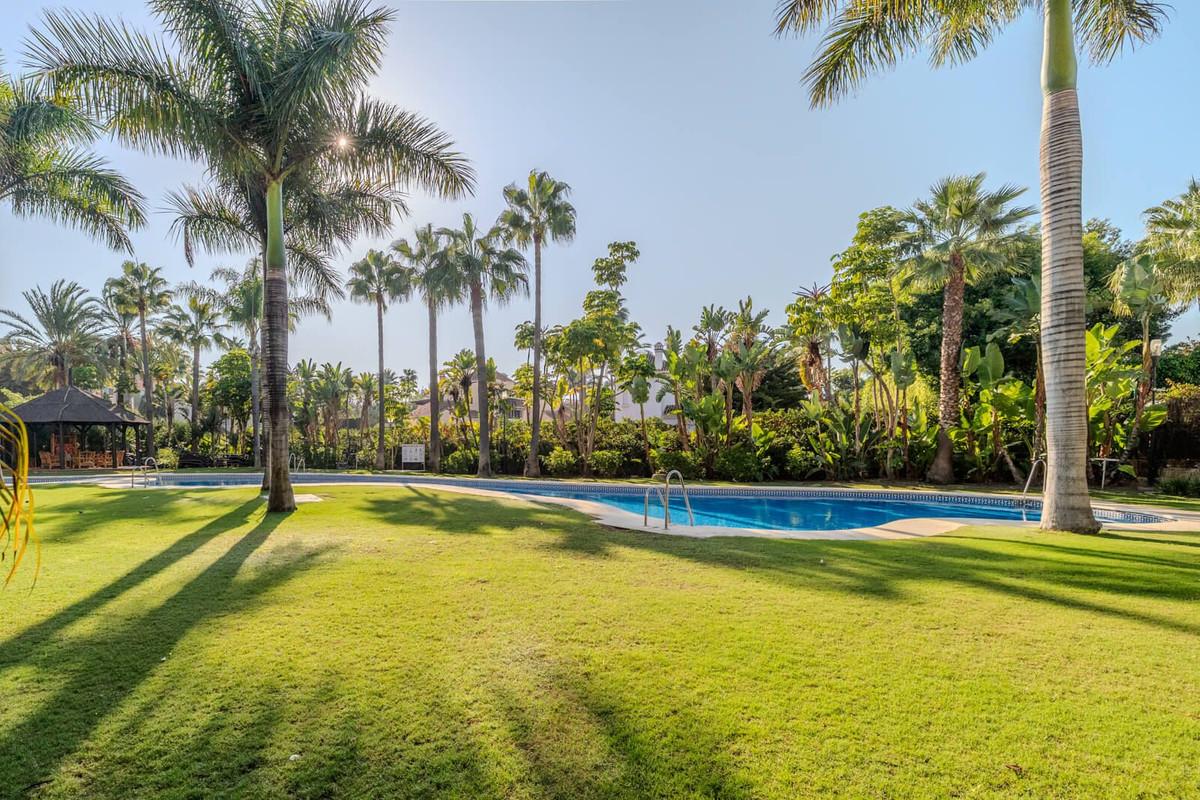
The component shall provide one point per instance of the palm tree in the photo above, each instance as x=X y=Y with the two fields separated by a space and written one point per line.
x=142 y=290
x=267 y=94
x=714 y=324
x=366 y=388
x=63 y=331
x=1142 y=289
x=537 y=214
x=868 y=35
x=197 y=325
x=45 y=172
x=378 y=279
x=457 y=375
x=1173 y=236
x=118 y=323
x=958 y=235
x=241 y=303
x=481 y=267
x=426 y=257
x=167 y=364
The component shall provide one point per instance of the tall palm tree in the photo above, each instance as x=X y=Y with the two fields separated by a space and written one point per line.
x=197 y=325
x=63 y=331
x=365 y=388
x=44 y=171
x=142 y=290
x=241 y=303
x=425 y=255
x=536 y=214
x=867 y=35
x=118 y=324
x=379 y=279
x=266 y=93
x=958 y=235
x=482 y=268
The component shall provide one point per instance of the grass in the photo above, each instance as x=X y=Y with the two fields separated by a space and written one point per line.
x=399 y=642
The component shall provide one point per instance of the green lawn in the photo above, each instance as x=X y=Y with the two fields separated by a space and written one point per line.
x=393 y=642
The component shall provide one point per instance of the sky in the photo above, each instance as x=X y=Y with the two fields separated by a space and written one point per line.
x=682 y=125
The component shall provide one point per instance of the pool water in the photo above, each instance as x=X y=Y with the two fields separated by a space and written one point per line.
x=795 y=513
x=772 y=509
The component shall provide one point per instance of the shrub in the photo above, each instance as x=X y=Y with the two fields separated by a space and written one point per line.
x=561 y=462
x=607 y=463
x=802 y=463
x=166 y=458
x=740 y=463
x=1180 y=486
x=461 y=462
x=688 y=464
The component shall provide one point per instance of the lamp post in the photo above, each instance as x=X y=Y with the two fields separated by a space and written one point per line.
x=1156 y=348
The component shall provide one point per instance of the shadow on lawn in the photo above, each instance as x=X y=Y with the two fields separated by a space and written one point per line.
x=18 y=648
x=460 y=513
x=1073 y=576
x=99 y=670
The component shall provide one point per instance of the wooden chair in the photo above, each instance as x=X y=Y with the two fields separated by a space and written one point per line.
x=46 y=460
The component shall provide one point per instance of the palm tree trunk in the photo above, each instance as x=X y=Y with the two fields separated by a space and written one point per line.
x=255 y=399
x=1066 y=505
x=481 y=393
x=147 y=381
x=942 y=469
x=122 y=362
x=275 y=303
x=195 y=394
x=379 y=455
x=435 y=411
x=532 y=464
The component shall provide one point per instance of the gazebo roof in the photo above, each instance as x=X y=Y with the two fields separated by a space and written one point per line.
x=75 y=406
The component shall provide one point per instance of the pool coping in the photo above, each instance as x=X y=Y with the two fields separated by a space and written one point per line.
x=1157 y=519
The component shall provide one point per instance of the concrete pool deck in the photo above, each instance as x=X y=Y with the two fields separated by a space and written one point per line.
x=1172 y=520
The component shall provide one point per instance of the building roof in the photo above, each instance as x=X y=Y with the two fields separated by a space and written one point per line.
x=75 y=406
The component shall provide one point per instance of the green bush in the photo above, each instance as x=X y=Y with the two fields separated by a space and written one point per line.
x=461 y=462
x=607 y=463
x=802 y=463
x=688 y=464
x=739 y=463
x=562 y=462
x=1180 y=486
x=166 y=458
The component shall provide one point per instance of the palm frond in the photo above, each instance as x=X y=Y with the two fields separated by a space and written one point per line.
x=207 y=218
x=1110 y=26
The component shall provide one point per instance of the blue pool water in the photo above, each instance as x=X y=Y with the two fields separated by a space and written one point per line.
x=776 y=509
x=795 y=513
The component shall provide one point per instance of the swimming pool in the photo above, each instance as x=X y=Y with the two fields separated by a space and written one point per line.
x=772 y=509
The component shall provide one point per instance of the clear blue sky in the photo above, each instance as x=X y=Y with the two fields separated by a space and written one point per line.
x=682 y=125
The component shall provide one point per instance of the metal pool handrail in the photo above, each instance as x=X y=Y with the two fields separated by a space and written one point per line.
x=646 y=508
x=1029 y=482
x=683 y=489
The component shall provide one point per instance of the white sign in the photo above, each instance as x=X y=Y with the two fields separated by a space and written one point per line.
x=412 y=454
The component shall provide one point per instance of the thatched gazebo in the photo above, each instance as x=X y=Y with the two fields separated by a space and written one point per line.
x=61 y=414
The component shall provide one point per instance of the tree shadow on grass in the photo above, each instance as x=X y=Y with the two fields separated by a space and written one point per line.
x=103 y=668
x=448 y=512
x=580 y=738
x=1077 y=578
x=18 y=647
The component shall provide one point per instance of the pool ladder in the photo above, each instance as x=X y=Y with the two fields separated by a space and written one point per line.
x=664 y=495
x=1029 y=482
